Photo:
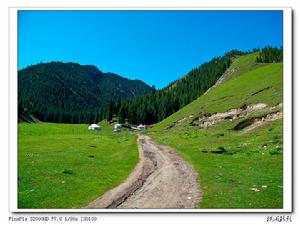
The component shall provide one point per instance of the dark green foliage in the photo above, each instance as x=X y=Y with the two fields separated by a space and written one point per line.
x=219 y=150
x=72 y=93
x=270 y=55
x=66 y=171
x=276 y=151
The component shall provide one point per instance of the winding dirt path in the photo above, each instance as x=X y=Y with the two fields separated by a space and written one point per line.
x=162 y=179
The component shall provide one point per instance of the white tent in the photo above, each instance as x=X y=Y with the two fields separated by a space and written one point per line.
x=94 y=127
x=118 y=126
x=141 y=127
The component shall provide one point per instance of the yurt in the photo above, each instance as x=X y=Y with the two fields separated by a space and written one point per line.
x=94 y=127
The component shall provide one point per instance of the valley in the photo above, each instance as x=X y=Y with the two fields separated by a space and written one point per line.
x=220 y=148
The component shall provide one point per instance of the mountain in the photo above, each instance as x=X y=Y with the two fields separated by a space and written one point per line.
x=72 y=93
x=157 y=105
x=246 y=82
x=233 y=136
x=160 y=104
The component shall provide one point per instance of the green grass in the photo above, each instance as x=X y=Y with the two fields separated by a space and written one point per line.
x=67 y=166
x=244 y=64
x=251 y=160
x=226 y=179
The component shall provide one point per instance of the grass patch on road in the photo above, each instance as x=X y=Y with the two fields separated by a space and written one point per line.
x=67 y=166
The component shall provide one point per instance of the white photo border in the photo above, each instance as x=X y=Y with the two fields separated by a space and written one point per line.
x=287 y=110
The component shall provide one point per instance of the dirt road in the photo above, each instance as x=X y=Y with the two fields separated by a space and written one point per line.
x=162 y=179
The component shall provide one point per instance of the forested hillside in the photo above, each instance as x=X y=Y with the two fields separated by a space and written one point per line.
x=72 y=93
x=156 y=106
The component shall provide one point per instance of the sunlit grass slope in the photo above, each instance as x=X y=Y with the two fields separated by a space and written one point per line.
x=243 y=64
x=249 y=174
x=235 y=93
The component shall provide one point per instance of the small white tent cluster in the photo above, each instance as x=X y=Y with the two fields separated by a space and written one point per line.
x=117 y=128
x=141 y=127
x=94 y=127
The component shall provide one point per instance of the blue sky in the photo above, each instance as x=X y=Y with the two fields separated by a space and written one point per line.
x=154 y=46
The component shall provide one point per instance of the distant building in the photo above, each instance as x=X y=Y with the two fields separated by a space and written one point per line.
x=94 y=127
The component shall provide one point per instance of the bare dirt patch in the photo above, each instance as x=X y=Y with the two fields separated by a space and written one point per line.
x=162 y=179
x=223 y=78
x=260 y=121
x=211 y=119
x=178 y=122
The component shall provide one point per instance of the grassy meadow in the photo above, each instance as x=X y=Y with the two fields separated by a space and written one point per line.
x=67 y=166
x=251 y=161
x=250 y=173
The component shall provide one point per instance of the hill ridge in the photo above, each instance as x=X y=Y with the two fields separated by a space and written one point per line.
x=72 y=93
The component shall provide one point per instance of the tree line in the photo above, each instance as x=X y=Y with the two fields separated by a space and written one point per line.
x=270 y=54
